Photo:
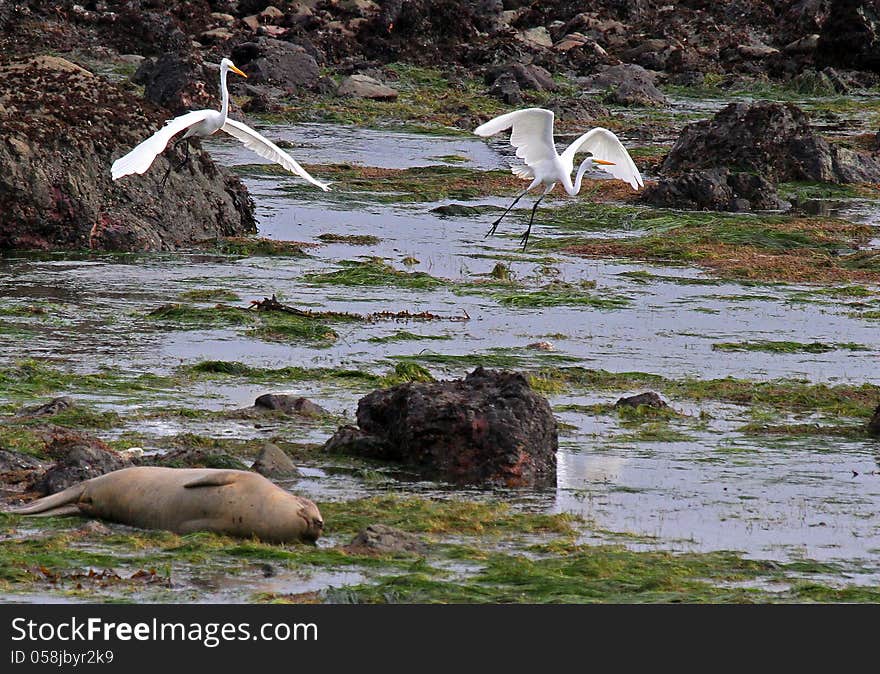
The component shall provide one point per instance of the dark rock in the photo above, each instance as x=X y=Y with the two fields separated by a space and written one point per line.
x=850 y=35
x=803 y=45
x=50 y=408
x=77 y=457
x=714 y=190
x=454 y=210
x=274 y=463
x=629 y=84
x=420 y=31
x=56 y=190
x=288 y=404
x=135 y=31
x=772 y=139
x=178 y=82
x=507 y=90
x=262 y=99
x=637 y=94
x=689 y=78
x=324 y=86
x=874 y=424
x=649 y=399
x=353 y=440
x=530 y=76
x=489 y=428
x=380 y=539
x=272 y=61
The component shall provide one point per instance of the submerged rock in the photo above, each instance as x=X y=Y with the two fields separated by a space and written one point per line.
x=288 y=404
x=649 y=399
x=489 y=428
x=773 y=139
x=50 y=408
x=60 y=130
x=455 y=210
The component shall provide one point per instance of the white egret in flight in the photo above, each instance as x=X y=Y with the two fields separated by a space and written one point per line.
x=204 y=123
x=532 y=136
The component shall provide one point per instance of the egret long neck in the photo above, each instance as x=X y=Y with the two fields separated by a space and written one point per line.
x=583 y=168
x=224 y=108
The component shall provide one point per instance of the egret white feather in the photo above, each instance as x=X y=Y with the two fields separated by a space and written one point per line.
x=268 y=150
x=142 y=156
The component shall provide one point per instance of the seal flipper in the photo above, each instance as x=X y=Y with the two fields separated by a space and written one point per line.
x=219 y=479
x=63 y=503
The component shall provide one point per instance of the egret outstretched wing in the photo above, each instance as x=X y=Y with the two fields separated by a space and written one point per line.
x=142 y=156
x=603 y=144
x=268 y=150
x=532 y=136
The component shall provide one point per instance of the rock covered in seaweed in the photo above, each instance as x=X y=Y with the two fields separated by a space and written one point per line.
x=490 y=428
x=715 y=190
x=61 y=129
x=78 y=457
x=773 y=139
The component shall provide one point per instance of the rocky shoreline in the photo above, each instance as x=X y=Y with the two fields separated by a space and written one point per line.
x=54 y=191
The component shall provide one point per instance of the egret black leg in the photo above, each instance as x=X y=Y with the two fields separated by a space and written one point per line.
x=498 y=221
x=171 y=164
x=185 y=154
x=524 y=239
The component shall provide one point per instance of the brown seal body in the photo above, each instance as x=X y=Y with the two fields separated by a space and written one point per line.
x=183 y=500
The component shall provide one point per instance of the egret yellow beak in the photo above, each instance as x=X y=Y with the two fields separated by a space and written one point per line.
x=602 y=161
x=236 y=70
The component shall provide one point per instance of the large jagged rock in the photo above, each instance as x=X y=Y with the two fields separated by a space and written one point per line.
x=60 y=130
x=714 y=190
x=772 y=139
x=489 y=428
